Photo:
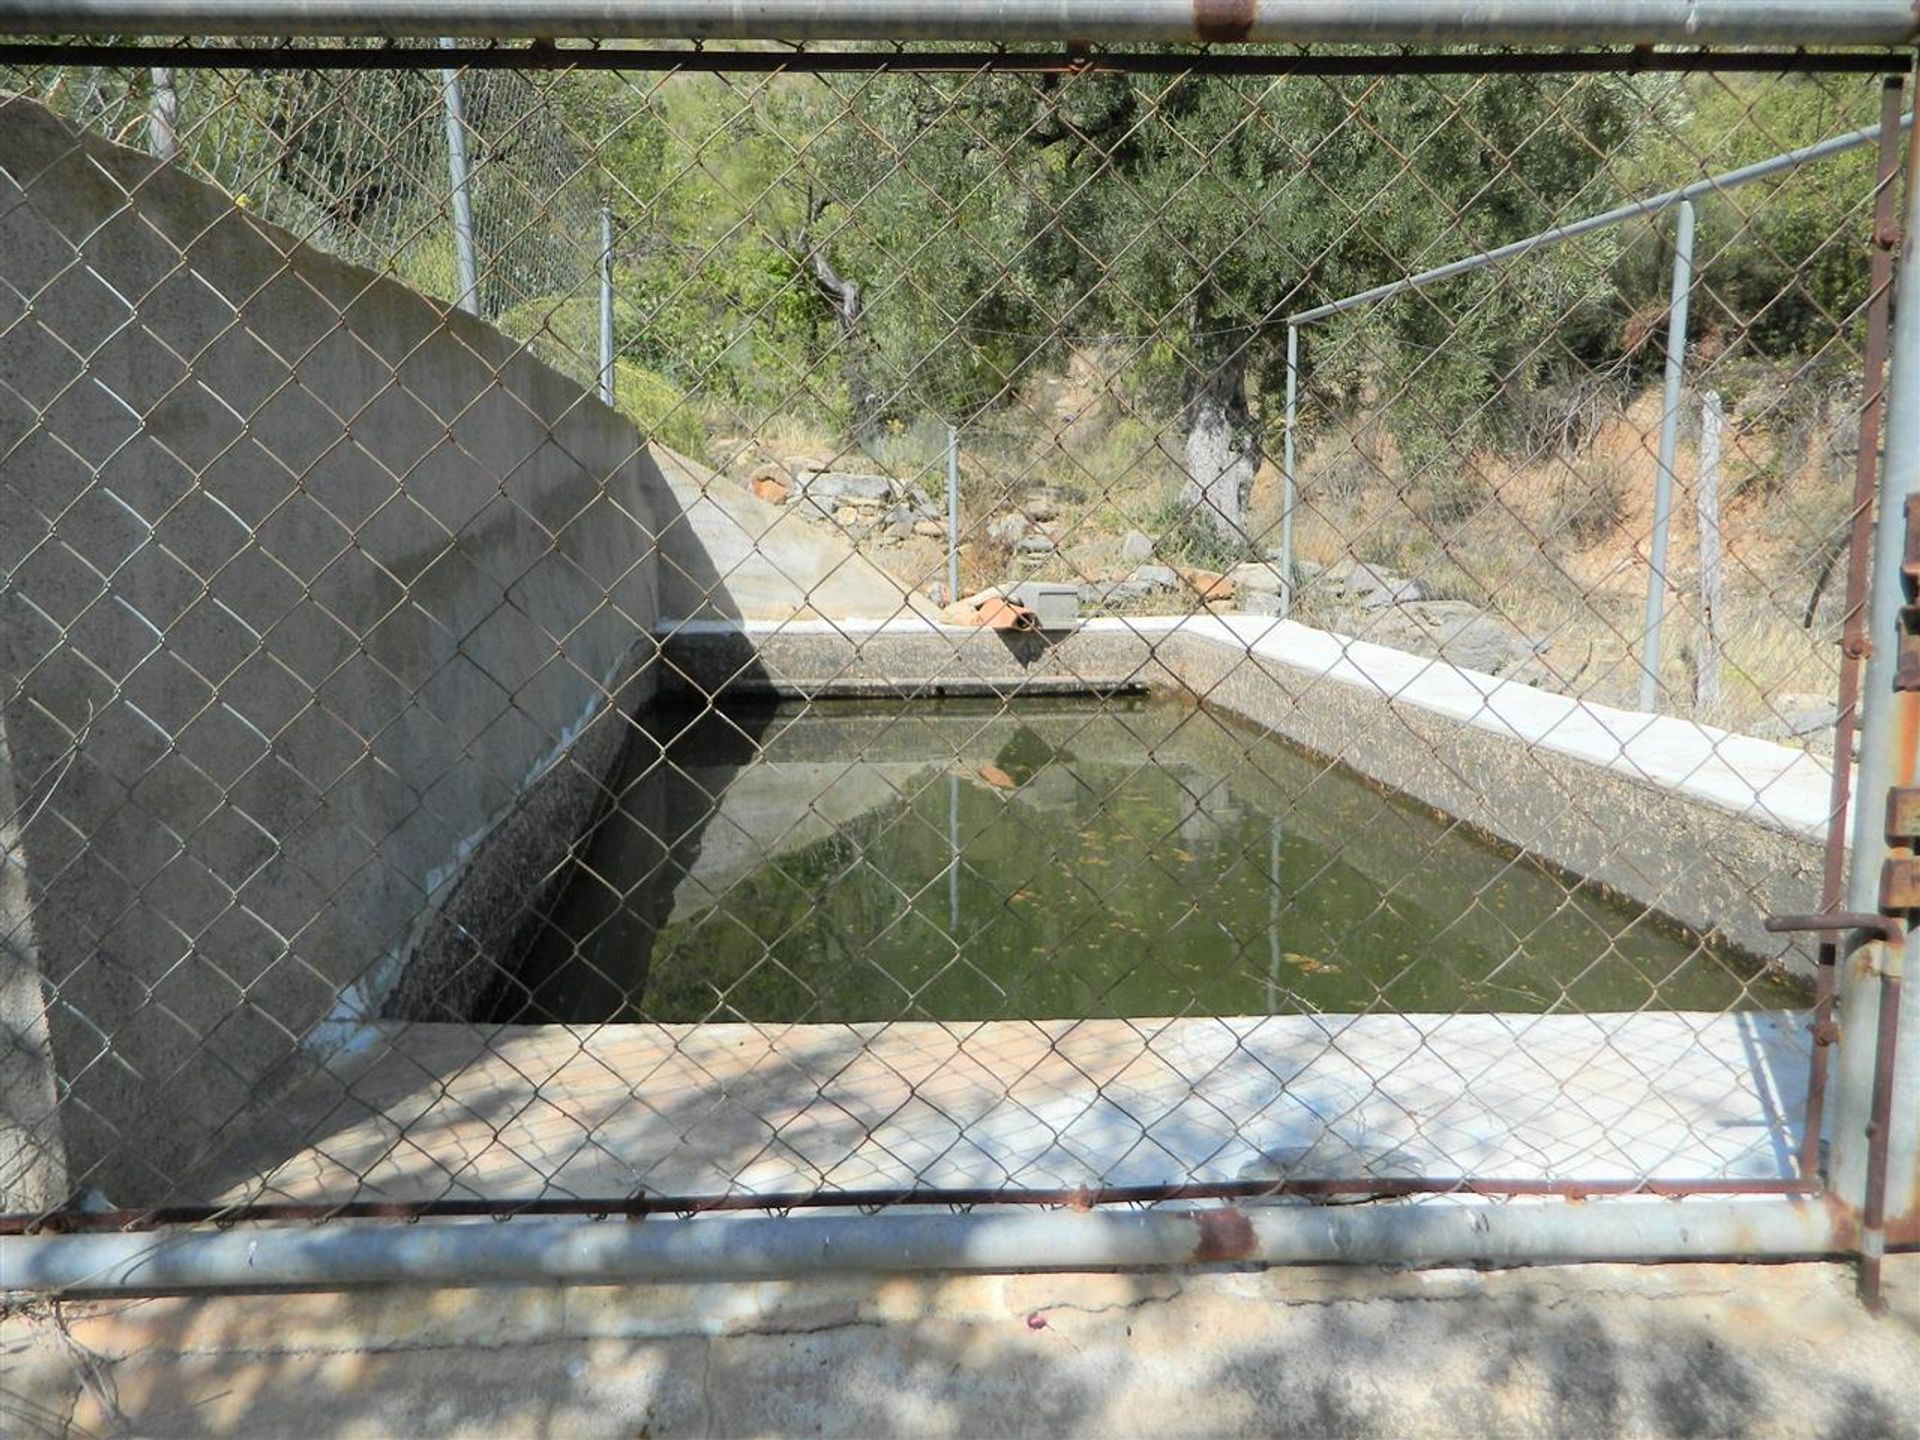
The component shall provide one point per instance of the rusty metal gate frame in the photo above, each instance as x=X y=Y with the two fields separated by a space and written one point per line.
x=1832 y=922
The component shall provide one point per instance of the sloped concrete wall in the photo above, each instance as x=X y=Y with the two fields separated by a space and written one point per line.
x=320 y=606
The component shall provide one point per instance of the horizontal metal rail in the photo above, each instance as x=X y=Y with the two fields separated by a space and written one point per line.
x=1651 y=205
x=1067 y=61
x=1383 y=22
x=578 y=1252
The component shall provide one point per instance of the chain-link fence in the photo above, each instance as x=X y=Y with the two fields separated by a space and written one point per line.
x=1074 y=668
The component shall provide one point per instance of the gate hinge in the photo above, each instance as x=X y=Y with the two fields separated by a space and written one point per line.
x=1900 y=883
x=1903 y=813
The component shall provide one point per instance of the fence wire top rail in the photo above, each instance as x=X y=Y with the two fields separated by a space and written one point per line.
x=1619 y=215
x=1415 y=22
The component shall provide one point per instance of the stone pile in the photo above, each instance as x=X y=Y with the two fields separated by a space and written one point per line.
x=859 y=504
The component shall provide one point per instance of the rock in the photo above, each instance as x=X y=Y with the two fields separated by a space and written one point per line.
x=1007 y=529
x=1374 y=587
x=937 y=593
x=1122 y=591
x=1259 y=602
x=803 y=466
x=1154 y=577
x=1483 y=643
x=1799 y=716
x=1041 y=508
x=843 y=485
x=932 y=529
x=1435 y=613
x=1209 y=585
x=846 y=517
x=770 y=487
x=1137 y=548
x=959 y=613
x=1034 y=545
x=1458 y=633
x=1257 y=577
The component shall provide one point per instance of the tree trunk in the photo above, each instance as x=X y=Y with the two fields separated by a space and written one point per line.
x=1223 y=438
x=844 y=296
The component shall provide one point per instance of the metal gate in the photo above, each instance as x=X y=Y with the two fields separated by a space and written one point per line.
x=1254 y=648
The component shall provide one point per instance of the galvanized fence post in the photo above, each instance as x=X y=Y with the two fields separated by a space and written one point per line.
x=606 y=305
x=466 y=267
x=953 y=514
x=1286 y=472
x=1669 y=444
x=1876 y=1120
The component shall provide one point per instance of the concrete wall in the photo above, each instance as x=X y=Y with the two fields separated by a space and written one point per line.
x=316 y=596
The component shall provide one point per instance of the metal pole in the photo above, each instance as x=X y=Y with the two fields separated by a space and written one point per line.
x=589 y=1253
x=1286 y=473
x=466 y=268
x=1669 y=444
x=1640 y=209
x=953 y=514
x=606 y=304
x=163 y=116
x=1876 y=1117
x=1288 y=22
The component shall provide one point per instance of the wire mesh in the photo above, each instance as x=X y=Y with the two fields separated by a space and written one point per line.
x=432 y=790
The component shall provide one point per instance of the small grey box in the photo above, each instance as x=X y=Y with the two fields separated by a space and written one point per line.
x=1056 y=605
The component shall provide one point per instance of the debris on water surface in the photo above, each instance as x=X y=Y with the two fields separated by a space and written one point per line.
x=1309 y=965
x=998 y=778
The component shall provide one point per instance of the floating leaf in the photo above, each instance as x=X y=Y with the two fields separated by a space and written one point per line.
x=1310 y=965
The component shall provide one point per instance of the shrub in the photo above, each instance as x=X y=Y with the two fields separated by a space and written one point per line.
x=659 y=409
x=1592 y=501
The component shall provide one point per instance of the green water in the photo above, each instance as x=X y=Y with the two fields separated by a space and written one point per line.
x=855 y=862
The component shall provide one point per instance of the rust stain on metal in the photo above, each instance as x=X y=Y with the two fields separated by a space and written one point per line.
x=1223 y=21
x=1225 y=1234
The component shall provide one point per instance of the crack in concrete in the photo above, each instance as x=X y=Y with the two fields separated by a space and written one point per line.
x=1117 y=1307
x=824 y=1327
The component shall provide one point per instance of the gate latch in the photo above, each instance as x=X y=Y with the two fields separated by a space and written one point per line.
x=1884 y=926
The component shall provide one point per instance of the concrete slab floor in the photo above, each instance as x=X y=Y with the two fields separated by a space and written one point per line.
x=1575 y=1351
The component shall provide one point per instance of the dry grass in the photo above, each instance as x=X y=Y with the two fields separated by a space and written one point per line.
x=1559 y=549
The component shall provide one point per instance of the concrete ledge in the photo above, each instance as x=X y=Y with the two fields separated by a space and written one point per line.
x=703 y=1110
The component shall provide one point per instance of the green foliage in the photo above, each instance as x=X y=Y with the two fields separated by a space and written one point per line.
x=1782 y=261
x=662 y=412
x=1184 y=535
x=993 y=223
